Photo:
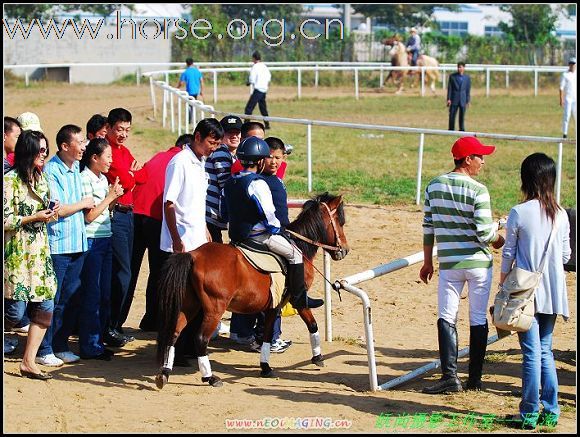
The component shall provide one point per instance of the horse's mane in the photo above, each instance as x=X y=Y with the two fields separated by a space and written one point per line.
x=309 y=223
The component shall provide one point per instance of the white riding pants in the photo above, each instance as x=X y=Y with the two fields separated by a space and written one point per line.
x=569 y=109
x=280 y=245
x=451 y=283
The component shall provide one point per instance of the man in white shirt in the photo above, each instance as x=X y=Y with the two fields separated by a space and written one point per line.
x=568 y=95
x=186 y=181
x=259 y=77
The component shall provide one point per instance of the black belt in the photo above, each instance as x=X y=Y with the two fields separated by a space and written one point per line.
x=123 y=208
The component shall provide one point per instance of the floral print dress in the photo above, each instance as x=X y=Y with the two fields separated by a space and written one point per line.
x=28 y=269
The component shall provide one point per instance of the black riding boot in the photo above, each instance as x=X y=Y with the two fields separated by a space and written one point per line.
x=448 y=350
x=299 y=299
x=477 y=347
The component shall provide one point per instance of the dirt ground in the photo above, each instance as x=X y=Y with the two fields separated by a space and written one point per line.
x=121 y=397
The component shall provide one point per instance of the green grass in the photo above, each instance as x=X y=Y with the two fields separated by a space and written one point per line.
x=380 y=167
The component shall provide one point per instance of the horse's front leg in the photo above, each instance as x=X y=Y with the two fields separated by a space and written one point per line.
x=163 y=375
x=306 y=315
x=266 y=370
x=201 y=339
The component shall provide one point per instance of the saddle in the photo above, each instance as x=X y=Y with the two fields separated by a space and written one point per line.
x=268 y=262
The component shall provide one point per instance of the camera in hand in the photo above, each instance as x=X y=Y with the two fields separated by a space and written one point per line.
x=51 y=204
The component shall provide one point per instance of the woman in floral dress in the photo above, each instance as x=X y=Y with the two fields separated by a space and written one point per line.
x=29 y=279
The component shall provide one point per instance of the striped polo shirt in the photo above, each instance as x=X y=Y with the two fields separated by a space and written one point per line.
x=218 y=167
x=458 y=217
x=97 y=187
x=67 y=234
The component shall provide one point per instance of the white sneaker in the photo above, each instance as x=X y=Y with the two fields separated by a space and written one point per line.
x=223 y=328
x=279 y=346
x=49 y=360
x=68 y=357
x=23 y=329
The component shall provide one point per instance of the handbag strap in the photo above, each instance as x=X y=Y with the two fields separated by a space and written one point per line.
x=552 y=232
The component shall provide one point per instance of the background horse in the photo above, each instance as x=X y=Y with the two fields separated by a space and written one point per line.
x=216 y=277
x=431 y=75
x=398 y=54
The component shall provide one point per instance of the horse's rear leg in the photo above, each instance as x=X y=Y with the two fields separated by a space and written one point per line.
x=267 y=371
x=163 y=375
x=306 y=315
x=201 y=339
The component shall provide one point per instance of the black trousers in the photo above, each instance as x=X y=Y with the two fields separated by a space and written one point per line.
x=147 y=235
x=452 y=111
x=260 y=98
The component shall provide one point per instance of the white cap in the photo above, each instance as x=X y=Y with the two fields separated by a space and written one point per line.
x=29 y=121
x=572 y=60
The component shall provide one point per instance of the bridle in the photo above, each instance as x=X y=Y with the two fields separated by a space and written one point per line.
x=332 y=216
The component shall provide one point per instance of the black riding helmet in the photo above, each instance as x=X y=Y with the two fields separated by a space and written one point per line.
x=252 y=149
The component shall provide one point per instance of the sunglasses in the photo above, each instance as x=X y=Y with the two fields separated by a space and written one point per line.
x=42 y=151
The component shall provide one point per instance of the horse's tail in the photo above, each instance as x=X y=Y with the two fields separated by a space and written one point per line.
x=172 y=286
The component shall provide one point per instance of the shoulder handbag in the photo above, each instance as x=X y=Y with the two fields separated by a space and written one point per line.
x=513 y=308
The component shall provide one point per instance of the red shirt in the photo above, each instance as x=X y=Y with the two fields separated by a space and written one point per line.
x=122 y=160
x=148 y=197
x=237 y=167
x=10 y=159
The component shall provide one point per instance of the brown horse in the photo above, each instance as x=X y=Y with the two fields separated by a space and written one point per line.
x=216 y=277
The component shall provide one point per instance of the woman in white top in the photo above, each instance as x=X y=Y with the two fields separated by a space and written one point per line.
x=96 y=273
x=528 y=229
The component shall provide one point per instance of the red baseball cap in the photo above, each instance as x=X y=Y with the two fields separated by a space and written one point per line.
x=466 y=146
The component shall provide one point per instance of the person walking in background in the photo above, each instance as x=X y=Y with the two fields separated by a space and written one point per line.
x=148 y=217
x=528 y=229
x=68 y=244
x=96 y=273
x=130 y=174
x=29 y=277
x=259 y=78
x=458 y=216
x=414 y=46
x=193 y=80
x=11 y=133
x=568 y=95
x=218 y=167
x=458 y=96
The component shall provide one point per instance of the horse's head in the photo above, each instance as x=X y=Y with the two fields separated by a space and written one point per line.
x=321 y=222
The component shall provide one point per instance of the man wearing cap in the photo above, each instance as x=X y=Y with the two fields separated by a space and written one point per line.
x=414 y=46
x=568 y=95
x=458 y=217
x=218 y=167
x=458 y=96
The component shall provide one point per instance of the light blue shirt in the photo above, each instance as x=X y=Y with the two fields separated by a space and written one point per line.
x=68 y=234
x=527 y=232
x=192 y=79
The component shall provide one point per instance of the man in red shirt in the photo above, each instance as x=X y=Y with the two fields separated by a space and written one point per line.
x=130 y=173
x=147 y=220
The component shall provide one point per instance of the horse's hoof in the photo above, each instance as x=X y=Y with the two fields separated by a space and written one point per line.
x=267 y=371
x=214 y=381
x=318 y=360
x=161 y=379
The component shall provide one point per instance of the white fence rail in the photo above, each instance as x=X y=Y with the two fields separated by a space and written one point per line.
x=183 y=99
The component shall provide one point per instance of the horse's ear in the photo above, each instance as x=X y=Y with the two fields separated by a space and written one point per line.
x=336 y=202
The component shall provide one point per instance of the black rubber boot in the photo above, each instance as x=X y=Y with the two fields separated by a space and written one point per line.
x=266 y=125
x=477 y=347
x=299 y=298
x=448 y=350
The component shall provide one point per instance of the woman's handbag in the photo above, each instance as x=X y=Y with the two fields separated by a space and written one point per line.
x=513 y=308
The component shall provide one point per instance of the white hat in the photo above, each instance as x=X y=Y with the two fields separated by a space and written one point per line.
x=572 y=60
x=29 y=121
x=413 y=29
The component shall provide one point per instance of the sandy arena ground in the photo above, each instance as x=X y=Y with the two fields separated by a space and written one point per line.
x=120 y=396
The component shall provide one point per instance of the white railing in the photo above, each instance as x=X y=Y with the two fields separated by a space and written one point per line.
x=184 y=99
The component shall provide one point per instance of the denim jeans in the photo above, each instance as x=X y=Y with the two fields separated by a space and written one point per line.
x=95 y=296
x=539 y=368
x=15 y=310
x=122 y=240
x=66 y=302
x=245 y=325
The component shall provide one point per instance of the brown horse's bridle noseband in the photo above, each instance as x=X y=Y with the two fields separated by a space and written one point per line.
x=332 y=215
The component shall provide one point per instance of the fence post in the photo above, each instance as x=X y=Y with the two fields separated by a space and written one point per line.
x=214 y=87
x=559 y=173
x=178 y=116
x=422 y=81
x=164 y=107
x=419 y=168
x=487 y=79
x=536 y=82
x=316 y=76
x=381 y=77
x=507 y=78
x=328 y=299
x=138 y=76
x=356 y=83
x=172 y=109
x=309 y=154
x=166 y=78
x=299 y=82
x=152 y=88
x=26 y=78
x=444 y=76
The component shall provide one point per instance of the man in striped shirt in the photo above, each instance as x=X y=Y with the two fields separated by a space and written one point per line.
x=458 y=216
